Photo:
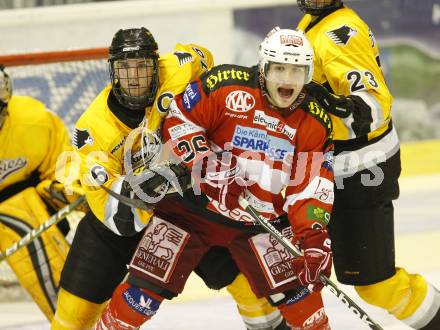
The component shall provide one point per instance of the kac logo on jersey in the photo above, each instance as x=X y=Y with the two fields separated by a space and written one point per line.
x=258 y=140
x=81 y=137
x=240 y=101
x=191 y=96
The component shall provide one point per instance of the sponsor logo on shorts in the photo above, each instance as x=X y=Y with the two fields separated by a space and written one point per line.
x=274 y=260
x=159 y=249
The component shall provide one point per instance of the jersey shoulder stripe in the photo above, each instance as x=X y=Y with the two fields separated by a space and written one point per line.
x=228 y=75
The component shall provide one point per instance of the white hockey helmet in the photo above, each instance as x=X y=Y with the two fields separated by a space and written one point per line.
x=286 y=46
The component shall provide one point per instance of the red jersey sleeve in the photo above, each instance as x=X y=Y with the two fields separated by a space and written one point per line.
x=310 y=193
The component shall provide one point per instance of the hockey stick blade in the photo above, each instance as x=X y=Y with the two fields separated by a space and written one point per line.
x=36 y=232
x=346 y=300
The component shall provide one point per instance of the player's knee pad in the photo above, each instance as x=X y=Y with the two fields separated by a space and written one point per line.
x=75 y=313
x=256 y=313
x=38 y=266
x=306 y=313
x=129 y=308
x=407 y=296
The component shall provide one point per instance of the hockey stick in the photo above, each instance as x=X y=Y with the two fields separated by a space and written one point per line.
x=36 y=232
x=351 y=305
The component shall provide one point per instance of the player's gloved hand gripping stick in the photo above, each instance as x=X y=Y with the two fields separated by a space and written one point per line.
x=358 y=311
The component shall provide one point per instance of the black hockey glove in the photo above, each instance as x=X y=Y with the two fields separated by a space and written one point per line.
x=340 y=106
x=166 y=180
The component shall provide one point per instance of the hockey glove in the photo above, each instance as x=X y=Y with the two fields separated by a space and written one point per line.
x=340 y=106
x=56 y=194
x=166 y=180
x=219 y=177
x=317 y=259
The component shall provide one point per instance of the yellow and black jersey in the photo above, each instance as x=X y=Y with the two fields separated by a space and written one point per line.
x=31 y=139
x=175 y=73
x=347 y=62
x=103 y=139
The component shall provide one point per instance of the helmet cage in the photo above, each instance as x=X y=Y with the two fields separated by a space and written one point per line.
x=125 y=96
x=136 y=44
x=317 y=7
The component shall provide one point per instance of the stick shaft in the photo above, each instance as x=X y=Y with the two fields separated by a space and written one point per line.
x=346 y=300
x=36 y=232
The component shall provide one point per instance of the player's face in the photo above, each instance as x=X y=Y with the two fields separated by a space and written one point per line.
x=284 y=82
x=135 y=75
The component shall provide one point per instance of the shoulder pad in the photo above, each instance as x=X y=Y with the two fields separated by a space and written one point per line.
x=312 y=107
x=227 y=75
x=342 y=34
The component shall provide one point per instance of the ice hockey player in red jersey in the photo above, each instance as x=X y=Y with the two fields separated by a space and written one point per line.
x=253 y=133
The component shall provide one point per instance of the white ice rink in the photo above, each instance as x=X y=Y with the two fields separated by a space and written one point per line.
x=417 y=249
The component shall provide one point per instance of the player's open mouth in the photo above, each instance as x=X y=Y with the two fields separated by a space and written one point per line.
x=285 y=92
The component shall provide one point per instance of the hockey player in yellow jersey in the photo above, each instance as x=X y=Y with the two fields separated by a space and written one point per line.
x=31 y=140
x=111 y=141
x=367 y=163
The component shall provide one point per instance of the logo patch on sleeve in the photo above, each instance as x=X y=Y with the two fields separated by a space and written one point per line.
x=183 y=57
x=191 y=96
x=81 y=137
x=341 y=36
x=316 y=213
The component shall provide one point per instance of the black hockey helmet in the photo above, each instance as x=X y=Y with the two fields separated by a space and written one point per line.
x=5 y=91
x=316 y=7
x=138 y=44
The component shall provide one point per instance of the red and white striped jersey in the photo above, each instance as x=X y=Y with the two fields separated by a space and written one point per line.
x=288 y=159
